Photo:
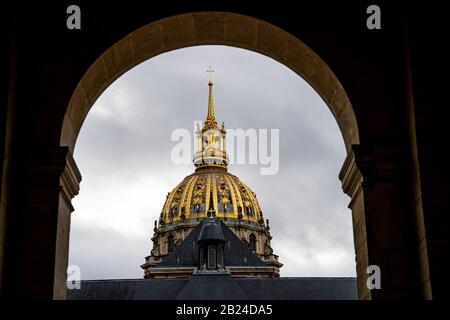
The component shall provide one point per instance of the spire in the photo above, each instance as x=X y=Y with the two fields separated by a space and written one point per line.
x=210 y=118
x=210 y=101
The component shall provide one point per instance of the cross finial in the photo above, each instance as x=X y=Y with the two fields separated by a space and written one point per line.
x=210 y=71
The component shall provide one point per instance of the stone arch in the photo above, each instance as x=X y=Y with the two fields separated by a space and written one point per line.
x=208 y=28
x=394 y=209
x=236 y=30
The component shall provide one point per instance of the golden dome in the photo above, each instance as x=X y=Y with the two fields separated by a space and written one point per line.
x=231 y=198
x=211 y=189
x=210 y=192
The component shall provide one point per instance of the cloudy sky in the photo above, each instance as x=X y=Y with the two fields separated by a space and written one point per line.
x=124 y=154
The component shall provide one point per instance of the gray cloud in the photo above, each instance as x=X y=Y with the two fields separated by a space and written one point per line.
x=102 y=249
x=123 y=152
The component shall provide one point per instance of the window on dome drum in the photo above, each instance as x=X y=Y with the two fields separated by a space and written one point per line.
x=252 y=242
x=217 y=143
x=171 y=243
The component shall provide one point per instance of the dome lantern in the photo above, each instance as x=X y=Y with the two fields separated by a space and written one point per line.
x=211 y=138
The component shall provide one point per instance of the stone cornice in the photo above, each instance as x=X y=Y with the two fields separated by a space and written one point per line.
x=70 y=177
x=350 y=176
x=53 y=168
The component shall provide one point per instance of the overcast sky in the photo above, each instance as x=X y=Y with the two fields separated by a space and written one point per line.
x=123 y=152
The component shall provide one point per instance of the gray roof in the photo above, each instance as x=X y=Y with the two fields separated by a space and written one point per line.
x=237 y=254
x=211 y=231
x=299 y=288
x=219 y=286
x=214 y=286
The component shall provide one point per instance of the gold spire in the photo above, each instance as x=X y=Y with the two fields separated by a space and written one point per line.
x=210 y=101
x=210 y=118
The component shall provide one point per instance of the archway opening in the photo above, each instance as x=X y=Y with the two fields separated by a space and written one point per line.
x=125 y=151
x=221 y=29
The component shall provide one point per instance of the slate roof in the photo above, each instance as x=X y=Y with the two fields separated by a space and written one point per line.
x=212 y=287
x=217 y=287
x=299 y=288
x=211 y=231
x=129 y=289
x=237 y=254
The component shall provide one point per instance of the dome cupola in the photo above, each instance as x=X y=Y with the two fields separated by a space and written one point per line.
x=211 y=139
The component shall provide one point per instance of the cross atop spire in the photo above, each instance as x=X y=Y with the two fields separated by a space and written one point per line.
x=210 y=71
